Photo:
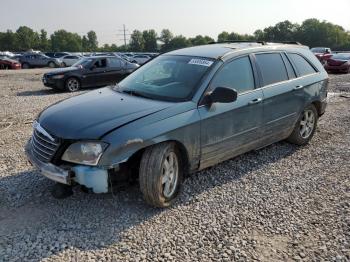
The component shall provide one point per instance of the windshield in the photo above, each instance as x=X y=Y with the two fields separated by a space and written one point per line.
x=82 y=63
x=341 y=56
x=319 y=50
x=167 y=77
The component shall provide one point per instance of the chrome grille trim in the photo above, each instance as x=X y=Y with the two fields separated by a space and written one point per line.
x=42 y=146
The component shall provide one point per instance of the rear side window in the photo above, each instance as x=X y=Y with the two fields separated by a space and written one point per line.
x=114 y=62
x=272 y=68
x=237 y=75
x=303 y=67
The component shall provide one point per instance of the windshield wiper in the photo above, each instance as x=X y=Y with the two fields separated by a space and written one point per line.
x=135 y=93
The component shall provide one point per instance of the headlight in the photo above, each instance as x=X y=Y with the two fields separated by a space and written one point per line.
x=57 y=76
x=87 y=153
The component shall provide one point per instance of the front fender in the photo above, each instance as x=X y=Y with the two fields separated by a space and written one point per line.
x=127 y=140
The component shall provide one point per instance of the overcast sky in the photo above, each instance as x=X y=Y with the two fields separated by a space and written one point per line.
x=186 y=17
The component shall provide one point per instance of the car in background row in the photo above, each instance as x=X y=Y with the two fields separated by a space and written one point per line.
x=69 y=60
x=89 y=72
x=38 y=60
x=56 y=54
x=322 y=53
x=8 y=63
x=338 y=63
x=139 y=59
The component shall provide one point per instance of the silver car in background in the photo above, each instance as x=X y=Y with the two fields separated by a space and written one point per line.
x=69 y=60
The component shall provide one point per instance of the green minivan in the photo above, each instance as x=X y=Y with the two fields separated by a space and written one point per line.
x=179 y=113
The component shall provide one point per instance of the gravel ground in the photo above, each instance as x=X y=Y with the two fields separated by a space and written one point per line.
x=280 y=203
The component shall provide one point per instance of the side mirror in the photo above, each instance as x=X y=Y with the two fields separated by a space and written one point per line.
x=221 y=95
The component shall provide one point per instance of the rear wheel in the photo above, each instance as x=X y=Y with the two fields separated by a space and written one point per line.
x=305 y=126
x=72 y=84
x=52 y=64
x=25 y=66
x=161 y=173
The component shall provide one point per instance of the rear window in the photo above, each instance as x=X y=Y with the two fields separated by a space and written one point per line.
x=272 y=68
x=303 y=67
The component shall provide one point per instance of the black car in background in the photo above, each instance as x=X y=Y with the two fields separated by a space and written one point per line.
x=89 y=72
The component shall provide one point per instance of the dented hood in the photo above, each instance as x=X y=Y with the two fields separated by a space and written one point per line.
x=91 y=115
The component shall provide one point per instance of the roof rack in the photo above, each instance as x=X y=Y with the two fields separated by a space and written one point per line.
x=237 y=41
x=290 y=42
x=259 y=42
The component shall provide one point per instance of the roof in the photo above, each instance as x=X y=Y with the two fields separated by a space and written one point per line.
x=218 y=50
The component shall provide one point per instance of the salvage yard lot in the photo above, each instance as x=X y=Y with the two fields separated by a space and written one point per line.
x=282 y=202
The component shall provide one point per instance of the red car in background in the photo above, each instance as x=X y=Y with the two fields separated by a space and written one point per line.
x=338 y=63
x=8 y=63
x=322 y=53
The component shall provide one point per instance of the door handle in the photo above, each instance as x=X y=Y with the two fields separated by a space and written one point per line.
x=298 y=87
x=255 y=101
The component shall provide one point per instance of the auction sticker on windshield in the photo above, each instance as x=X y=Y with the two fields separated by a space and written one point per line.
x=201 y=62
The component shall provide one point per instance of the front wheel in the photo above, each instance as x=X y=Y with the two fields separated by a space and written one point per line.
x=72 y=84
x=52 y=64
x=305 y=126
x=161 y=173
x=25 y=66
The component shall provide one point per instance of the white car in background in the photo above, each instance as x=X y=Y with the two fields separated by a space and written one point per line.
x=139 y=59
x=69 y=60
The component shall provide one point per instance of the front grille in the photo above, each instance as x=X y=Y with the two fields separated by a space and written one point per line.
x=43 y=148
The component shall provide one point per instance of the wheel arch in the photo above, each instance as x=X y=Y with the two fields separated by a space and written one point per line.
x=318 y=106
x=135 y=158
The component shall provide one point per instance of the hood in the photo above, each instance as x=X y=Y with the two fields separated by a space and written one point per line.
x=62 y=70
x=91 y=115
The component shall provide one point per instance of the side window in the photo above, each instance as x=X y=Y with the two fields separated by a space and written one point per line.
x=114 y=62
x=237 y=75
x=290 y=70
x=303 y=66
x=101 y=63
x=272 y=68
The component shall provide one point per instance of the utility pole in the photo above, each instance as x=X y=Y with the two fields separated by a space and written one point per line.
x=124 y=33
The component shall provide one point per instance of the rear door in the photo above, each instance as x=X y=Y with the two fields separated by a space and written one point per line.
x=115 y=69
x=229 y=129
x=282 y=101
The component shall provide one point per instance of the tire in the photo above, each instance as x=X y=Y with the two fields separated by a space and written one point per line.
x=25 y=66
x=305 y=127
x=51 y=64
x=72 y=84
x=61 y=191
x=159 y=187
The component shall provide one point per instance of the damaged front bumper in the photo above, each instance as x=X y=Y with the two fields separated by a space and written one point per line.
x=47 y=169
x=94 y=178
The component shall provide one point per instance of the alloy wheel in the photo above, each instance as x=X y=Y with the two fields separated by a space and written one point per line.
x=73 y=85
x=307 y=124
x=170 y=174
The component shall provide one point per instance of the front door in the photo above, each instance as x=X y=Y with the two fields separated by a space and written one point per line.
x=97 y=74
x=229 y=129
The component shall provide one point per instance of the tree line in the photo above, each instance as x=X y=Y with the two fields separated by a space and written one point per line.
x=312 y=32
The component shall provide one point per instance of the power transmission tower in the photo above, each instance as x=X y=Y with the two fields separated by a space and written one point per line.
x=124 y=35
